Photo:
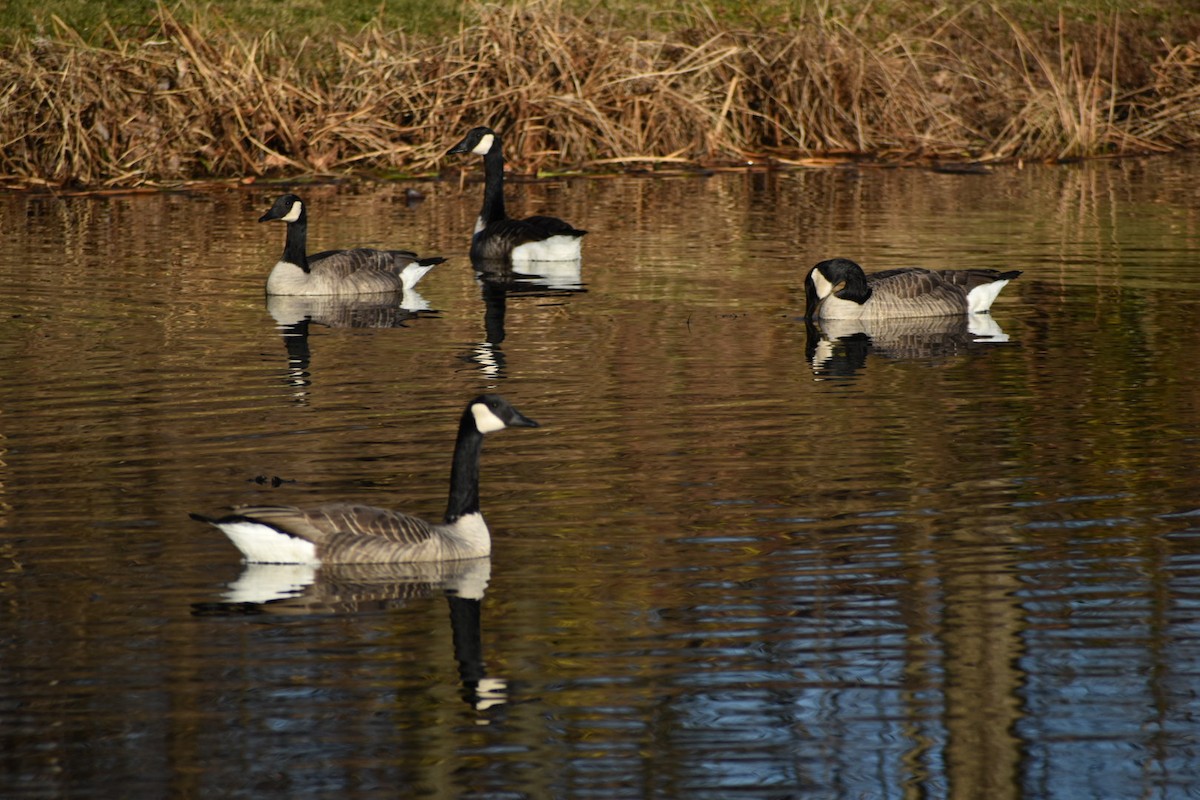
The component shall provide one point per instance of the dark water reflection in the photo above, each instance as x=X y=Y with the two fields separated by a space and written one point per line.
x=741 y=558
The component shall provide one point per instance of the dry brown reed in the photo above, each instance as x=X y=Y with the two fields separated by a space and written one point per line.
x=200 y=101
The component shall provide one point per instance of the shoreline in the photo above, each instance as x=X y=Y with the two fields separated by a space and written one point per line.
x=573 y=95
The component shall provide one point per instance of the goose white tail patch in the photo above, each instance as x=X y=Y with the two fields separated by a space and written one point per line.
x=412 y=274
x=485 y=419
x=556 y=248
x=980 y=298
x=485 y=144
x=294 y=213
x=262 y=544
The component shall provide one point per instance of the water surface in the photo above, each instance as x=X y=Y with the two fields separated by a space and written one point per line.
x=740 y=558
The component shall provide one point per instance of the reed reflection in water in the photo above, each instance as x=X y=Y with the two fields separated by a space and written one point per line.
x=743 y=557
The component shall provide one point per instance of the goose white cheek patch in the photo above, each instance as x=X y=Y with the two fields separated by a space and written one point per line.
x=485 y=419
x=294 y=214
x=824 y=287
x=485 y=144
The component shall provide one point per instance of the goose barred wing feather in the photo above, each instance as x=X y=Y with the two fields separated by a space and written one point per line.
x=915 y=291
x=383 y=256
x=968 y=279
x=335 y=526
x=363 y=270
x=910 y=284
x=915 y=282
x=346 y=262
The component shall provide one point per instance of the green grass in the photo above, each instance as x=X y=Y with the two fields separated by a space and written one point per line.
x=295 y=18
x=434 y=18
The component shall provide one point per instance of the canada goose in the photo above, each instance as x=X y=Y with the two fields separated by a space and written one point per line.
x=348 y=533
x=838 y=289
x=357 y=271
x=497 y=236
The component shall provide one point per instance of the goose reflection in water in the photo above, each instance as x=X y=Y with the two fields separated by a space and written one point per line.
x=839 y=348
x=294 y=314
x=302 y=589
x=554 y=281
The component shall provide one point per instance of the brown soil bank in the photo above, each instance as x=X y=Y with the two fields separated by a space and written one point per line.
x=199 y=101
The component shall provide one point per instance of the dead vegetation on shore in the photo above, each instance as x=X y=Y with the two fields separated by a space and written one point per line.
x=199 y=101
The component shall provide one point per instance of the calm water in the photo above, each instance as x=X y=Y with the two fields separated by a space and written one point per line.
x=739 y=559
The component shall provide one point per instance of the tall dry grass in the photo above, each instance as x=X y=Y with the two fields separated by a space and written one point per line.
x=198 y=100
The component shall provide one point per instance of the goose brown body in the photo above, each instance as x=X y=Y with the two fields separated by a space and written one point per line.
x=839 y=289
x=353 y=533
x=337 y=272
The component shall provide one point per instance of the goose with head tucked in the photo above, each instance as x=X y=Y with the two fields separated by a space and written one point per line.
x=337 y=272
x=349 y=533
x=497 y=236
x=839 y=289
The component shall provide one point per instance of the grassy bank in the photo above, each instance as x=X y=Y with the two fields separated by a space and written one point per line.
x=194 y=96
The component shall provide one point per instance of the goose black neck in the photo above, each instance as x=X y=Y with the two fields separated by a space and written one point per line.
x=297 y=236
x=464 y=472
x=493 y=187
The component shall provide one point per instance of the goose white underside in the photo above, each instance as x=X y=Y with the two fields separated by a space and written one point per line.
x=262 y=544
x=555 y=248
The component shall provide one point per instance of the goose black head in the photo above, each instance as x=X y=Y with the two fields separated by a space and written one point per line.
x=287 y=208
x=492 y=412
x=478 y=140
x=826 y=278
